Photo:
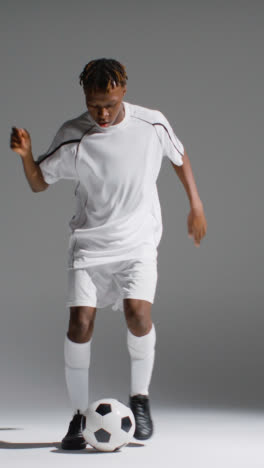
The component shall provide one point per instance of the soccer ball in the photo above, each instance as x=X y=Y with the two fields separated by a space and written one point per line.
x=110 y=425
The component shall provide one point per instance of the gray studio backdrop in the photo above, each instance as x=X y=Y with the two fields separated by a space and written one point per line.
x=200 y=63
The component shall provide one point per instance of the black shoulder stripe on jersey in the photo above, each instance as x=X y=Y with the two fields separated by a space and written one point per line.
x=63 y=143
x=78 y=140
x=159 y=123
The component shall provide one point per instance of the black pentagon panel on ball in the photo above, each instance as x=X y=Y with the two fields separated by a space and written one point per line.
x=102 y=436
x=126 y=424
x=103 y=409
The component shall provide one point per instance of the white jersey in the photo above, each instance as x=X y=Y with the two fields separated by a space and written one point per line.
x=118 y=214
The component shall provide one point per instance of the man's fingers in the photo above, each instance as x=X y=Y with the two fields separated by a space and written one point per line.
x=197 y=241
x=15 y=136
x=203 y=231
x=17 y=131
x=197 y=238
x=197 y=227
x=15 y=140
x=190 y=229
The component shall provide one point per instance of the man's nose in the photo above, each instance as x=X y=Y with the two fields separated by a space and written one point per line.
x=103 y=112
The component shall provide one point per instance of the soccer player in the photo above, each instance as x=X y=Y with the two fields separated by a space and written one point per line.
x=114 y=151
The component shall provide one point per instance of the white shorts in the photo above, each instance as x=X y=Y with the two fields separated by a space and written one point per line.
x=103 y=285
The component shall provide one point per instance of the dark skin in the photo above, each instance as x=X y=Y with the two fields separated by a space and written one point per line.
x=108 y=107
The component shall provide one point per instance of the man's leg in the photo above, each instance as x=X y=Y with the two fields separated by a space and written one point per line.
x=77 y=361
x=141 y=339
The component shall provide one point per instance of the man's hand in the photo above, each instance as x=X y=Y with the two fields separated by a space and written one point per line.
x=20 y=142
x=197 y=224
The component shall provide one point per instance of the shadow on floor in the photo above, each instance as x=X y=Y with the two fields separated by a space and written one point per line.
x=27 y=445
x=92 y=450
x=11 y=428
x=57 y=445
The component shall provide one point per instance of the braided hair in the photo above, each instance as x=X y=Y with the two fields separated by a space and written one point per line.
x=103 y=74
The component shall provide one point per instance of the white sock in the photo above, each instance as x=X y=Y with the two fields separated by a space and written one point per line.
x=77 y=361
x=142 y=354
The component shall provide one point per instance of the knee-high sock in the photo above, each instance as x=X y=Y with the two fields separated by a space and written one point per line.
x=142 y=354
x=77 y=362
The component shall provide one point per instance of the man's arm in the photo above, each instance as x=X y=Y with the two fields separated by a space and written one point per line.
x=197 y=225
x=33 y=174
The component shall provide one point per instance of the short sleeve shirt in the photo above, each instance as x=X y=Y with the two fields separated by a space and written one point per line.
x=118 y=214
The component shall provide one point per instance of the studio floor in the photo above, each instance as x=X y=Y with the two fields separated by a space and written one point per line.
x=184 y=437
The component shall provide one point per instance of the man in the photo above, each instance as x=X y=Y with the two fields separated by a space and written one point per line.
x=114 y=151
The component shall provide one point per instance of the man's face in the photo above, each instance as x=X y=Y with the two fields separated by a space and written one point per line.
x=106 y=108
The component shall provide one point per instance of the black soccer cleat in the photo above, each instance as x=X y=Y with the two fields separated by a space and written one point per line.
x=74 y=439
x=139 y=405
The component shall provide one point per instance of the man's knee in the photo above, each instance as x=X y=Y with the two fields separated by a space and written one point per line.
x=138 y=316
x=81 y=323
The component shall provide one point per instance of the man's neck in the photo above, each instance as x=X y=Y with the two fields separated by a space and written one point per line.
x=122 y=115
